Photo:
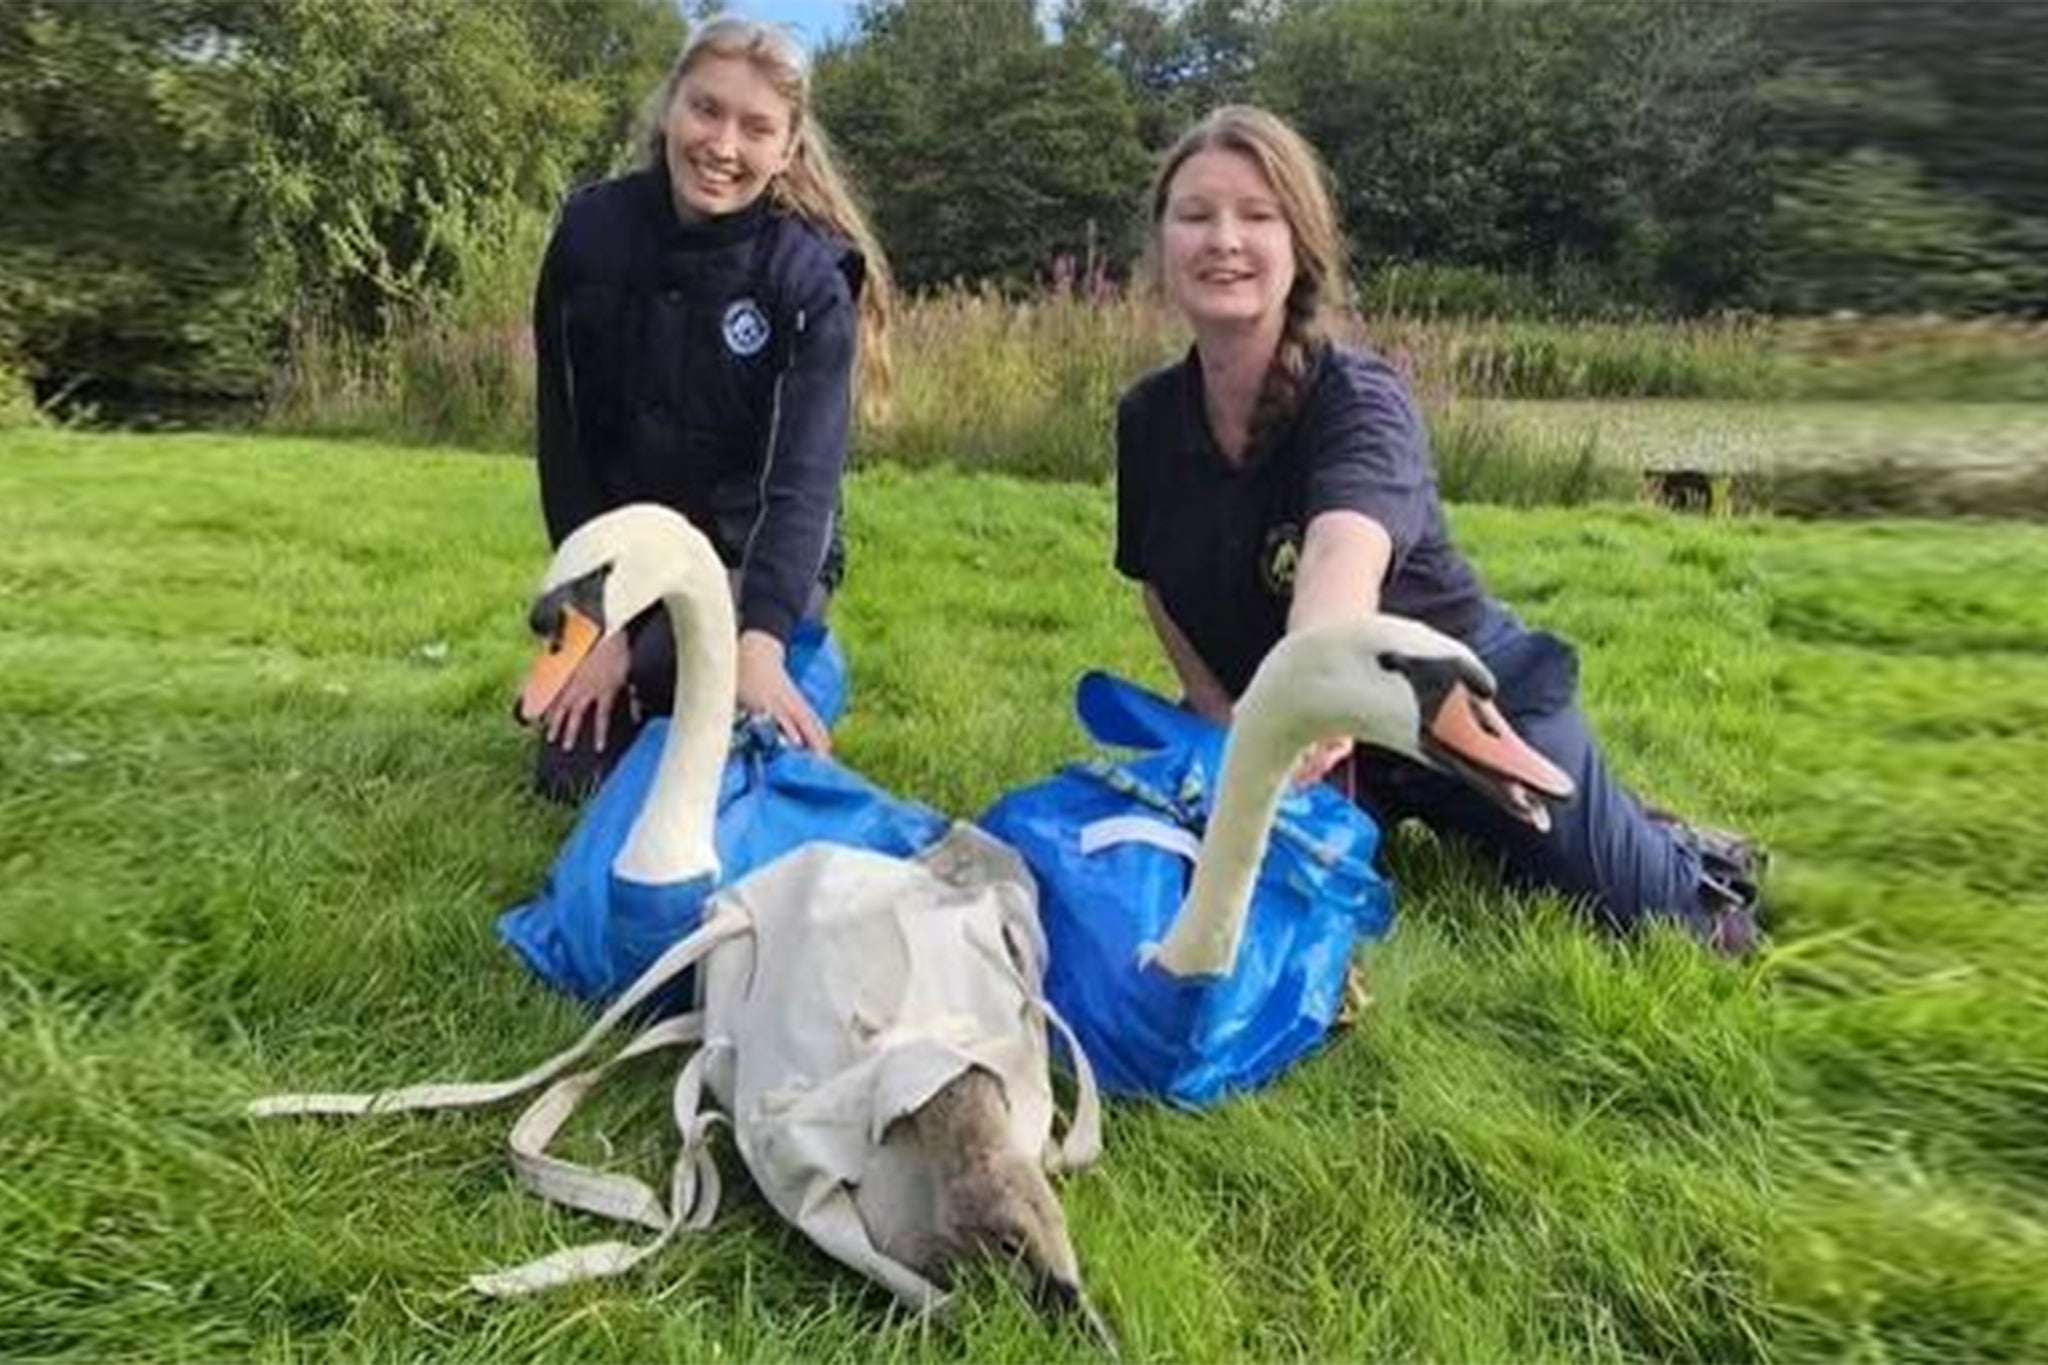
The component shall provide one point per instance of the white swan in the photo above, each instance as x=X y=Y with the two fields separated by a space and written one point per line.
x=1391 y=682
x=604 y=574
x=979 y=1194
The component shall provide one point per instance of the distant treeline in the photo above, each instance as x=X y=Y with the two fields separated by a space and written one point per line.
x=191 y=187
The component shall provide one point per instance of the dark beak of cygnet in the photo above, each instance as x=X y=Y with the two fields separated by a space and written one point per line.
x=1057 y=1297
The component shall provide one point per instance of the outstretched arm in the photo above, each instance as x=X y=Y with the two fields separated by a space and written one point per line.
x=1344 y=559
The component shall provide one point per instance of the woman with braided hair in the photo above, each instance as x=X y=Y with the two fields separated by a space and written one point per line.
x=1275 y=480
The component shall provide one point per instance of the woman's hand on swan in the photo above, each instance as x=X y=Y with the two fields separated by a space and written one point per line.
x=1319 y=758
x=765 y=689
x=589 y=695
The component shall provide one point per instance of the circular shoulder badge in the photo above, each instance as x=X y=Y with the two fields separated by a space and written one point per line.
x=746 y=327
x=1279 y=556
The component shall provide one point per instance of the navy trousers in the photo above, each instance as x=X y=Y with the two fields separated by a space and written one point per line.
x=1602 y=847
x=571 y=774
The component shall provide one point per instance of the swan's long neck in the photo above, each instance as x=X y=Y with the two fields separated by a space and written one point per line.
x=1308 y=689
x=671 y=840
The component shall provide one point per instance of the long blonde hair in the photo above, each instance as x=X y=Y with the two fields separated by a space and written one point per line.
x=1301 y=185
x=811 y=187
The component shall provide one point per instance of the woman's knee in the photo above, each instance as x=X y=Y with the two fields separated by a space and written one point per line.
x=569 y=775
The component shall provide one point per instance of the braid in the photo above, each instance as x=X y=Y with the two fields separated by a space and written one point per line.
x=1280 y=395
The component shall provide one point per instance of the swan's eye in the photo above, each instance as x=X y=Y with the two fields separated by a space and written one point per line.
x=586 y=595
x=545 y=619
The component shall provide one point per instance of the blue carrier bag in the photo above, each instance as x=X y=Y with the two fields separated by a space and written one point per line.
x=591 y=934
x=1112 y=845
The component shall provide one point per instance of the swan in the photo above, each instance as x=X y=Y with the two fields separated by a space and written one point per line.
x=1387 y=681
x=1149 y=962
x=675 y=817
x=603 y=575
x=957 y=1182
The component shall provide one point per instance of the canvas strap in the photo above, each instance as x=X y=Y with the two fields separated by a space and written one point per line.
x=693 y=1192
x=680 y=957
x=1081 y=1144
x=693 y=1182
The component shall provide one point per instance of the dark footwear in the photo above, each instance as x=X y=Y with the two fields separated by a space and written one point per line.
x=1730 y=913
x=1736 y=854
x=1732 y=867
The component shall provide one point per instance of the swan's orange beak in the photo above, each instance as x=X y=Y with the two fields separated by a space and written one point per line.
x=574 y=636
x=1469 y=736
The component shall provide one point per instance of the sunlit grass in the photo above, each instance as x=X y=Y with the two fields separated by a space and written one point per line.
x=260 y=799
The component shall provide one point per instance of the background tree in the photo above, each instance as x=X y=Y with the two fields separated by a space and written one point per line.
x=187 y=180
x=1178 y=58
x=1533 y=138
x=130 y=250
x=1908 y=162
x=987 y=149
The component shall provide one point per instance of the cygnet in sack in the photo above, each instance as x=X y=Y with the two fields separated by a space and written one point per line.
x=873 y=1028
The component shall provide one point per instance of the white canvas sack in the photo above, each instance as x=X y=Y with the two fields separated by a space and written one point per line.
x=837 y=991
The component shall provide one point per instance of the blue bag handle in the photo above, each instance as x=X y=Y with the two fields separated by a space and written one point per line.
x=1114 y=711
x=1118 y=712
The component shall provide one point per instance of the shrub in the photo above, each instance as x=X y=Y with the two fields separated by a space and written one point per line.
x=17 y=397
x=1887 y=488
x=1481 y=458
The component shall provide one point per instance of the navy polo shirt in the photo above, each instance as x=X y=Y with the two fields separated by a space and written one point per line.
x=706 y=366
x=1219 y=542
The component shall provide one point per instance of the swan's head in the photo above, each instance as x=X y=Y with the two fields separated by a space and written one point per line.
x=1398 y=685
x=608 y=571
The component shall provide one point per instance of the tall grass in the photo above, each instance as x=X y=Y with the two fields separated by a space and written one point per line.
x=435 y=380
x=1899 y=359
x=1029 y=387
x=1885 y=488
x=454 y=370
x=1482 y=456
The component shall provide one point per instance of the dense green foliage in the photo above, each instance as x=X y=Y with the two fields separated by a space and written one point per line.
x=126 y=254
x=987 y=151
x=190 y=181
x=194 y=187
x=1596 y=157
x=1612 y=138
x=255 y=841
x=1903 y=176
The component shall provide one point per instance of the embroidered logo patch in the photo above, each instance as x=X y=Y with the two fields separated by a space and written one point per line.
x=1279 y=557
x=746 y=327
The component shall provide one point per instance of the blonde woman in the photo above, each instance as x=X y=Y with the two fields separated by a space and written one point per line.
x=1274 y=479
x=700 y=324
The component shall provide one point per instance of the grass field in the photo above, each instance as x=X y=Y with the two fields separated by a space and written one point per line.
x=260 y=800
